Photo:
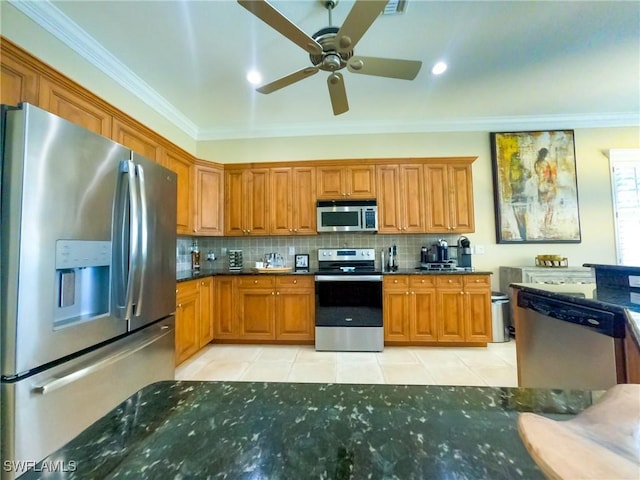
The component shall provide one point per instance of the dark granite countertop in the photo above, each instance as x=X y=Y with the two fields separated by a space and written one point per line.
x=186 y=275
x=334 y=431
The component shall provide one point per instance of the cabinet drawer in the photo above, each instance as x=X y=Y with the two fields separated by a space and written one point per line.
x=298 y=281
x=477 y=281
x=395 y=282
x=256 y=281
x=422 y=281
x=186 y=288
x=449 y=281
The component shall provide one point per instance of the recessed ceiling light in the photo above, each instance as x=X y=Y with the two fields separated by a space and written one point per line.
x=439 y=68
x=254 y=77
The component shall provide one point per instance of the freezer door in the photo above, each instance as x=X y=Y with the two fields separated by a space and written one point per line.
x=43 y=412
x=58 y=186
x=155 y=295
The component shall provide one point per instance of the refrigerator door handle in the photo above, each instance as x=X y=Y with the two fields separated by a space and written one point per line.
x=127 y=245
x=125 y=351
x=144 y=236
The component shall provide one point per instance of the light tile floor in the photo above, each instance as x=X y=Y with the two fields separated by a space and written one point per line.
x=494 y=365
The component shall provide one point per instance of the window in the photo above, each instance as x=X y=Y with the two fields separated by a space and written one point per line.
x=625 y=187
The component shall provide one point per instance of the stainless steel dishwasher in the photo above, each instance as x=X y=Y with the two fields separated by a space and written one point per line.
x=565 y=344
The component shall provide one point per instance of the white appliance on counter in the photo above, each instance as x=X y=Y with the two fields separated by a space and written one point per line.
x=87 y=280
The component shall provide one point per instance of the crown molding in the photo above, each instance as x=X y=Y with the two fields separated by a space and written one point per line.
x=475 y=124
x=49 y=17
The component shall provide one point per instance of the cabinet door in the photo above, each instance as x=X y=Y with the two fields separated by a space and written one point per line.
x=389 y=205
x=209 y=200
x=412 y=198
x=395 y=308
x=71 y=106
x=462 y=212
x=18 y=82
x=450 y=315
x=187 y=313
x=423 y=327
x=281 y=197
x=257 y=195
x=361 y=181
x=205 y=330
x=295 y=308
x=183 y=167
x=304 y=201
x=478 y=316
x=137 y=139
x=225 y=324
x=256 y=308
x=437 y=191
x=330 y=181
x=233 y=203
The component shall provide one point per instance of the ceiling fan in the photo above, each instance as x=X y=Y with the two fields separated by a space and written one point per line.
x=331 y=48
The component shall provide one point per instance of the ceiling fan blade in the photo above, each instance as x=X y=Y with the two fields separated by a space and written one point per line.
x=385 y=67
x=288 y=80
x=362 y=15
x=338 y=93
x=272 y=17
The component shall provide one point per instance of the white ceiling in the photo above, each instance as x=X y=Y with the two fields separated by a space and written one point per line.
x=511 y=63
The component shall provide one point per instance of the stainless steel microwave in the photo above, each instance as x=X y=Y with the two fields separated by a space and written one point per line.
x=347 y=216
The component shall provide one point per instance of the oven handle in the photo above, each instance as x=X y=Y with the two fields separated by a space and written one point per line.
x=348 y=278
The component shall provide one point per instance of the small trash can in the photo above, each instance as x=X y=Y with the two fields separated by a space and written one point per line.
x=499 y=313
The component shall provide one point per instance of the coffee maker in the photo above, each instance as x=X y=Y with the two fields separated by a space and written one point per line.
x=464 y=252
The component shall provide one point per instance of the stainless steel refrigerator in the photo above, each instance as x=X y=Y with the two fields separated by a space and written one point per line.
x=87 y=280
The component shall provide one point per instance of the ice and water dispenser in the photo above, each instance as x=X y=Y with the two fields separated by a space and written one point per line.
x=82 y=280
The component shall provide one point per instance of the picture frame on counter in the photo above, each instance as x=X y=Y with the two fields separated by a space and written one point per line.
x=301 y=262
x=535 y=187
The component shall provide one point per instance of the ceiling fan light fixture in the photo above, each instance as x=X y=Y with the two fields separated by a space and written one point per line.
x=439 y=68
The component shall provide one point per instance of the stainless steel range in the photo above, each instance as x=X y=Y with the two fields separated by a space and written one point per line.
x=348 y=301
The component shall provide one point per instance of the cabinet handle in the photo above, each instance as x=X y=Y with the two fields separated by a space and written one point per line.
x=201 y=283
x=295 y=281
x=461 y=293
x=450 y=281
x=255 y=281
x=395 y=281
x=176 y=290
x=406 y=293
x=273 y=293
x=179 y=305
x=277 y=293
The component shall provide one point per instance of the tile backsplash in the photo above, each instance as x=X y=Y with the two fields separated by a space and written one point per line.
x=254 y=248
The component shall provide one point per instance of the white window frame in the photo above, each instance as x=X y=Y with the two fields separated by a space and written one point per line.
x=617 y=158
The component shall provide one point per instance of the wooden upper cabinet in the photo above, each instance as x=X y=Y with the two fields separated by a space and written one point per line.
x=293 y=191
x=182 y=165
x=357 y=182
x=246 y=194
x=209 y=200
x=72 y=106
x=449 y=189
x=18 y=82
x=400 y=199
x=137 y=140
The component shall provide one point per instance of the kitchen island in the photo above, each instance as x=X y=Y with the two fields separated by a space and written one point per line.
x=283 y=430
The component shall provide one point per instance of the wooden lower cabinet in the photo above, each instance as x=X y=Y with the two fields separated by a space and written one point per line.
x=295 y=307
x=187 y=319
x=194 y=317
x=632 y=357
x=436 y=308
x=264 y=308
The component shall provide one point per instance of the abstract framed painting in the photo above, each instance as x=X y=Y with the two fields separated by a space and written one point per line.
x=535 y=187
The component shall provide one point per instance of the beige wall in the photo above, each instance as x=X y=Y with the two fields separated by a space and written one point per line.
x=591 y=145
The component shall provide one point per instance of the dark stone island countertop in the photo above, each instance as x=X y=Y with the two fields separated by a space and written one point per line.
x=196 y=430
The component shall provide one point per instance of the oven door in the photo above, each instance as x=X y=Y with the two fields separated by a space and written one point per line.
x=348 y=300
